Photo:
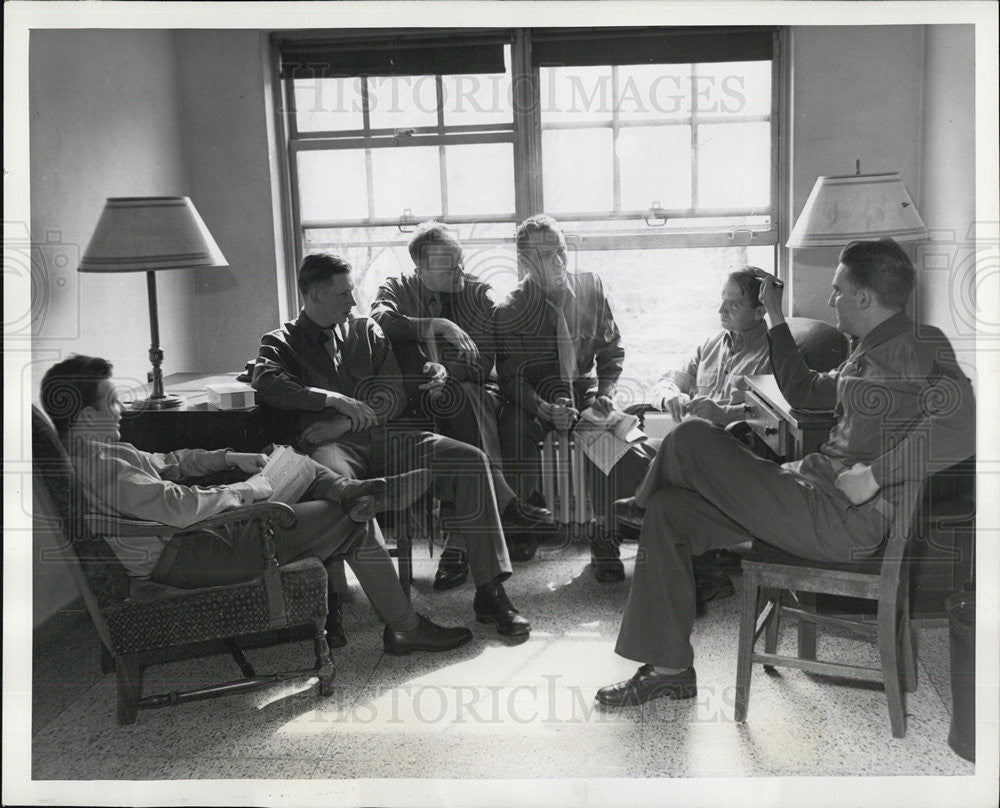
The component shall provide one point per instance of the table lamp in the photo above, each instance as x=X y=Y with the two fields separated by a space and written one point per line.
x=857 y=207
x=150 y=234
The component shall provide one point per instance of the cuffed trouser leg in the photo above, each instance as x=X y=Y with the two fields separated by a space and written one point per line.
x=462 y=479
x=705 y=491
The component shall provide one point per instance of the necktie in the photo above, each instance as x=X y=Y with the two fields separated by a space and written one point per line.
x=566 y=347
x=332 y=346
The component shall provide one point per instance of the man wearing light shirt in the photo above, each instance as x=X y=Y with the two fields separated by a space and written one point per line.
x=903 y=409
x=710 y=384
x=333 y=521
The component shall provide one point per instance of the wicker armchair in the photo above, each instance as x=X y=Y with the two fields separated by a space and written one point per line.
x=140 y=623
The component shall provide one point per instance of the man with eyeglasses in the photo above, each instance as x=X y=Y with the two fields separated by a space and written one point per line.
x=559 y=352
x=439 y=320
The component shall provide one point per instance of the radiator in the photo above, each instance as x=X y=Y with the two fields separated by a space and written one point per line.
x=564 y=484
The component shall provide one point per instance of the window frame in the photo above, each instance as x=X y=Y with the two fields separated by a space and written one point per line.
x=525 y=134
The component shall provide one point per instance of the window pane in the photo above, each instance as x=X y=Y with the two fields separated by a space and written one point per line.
x=330 y=105
x=733 y=88
x=655 y=166
x=480 y=178
x=665 y=303
x=406 y=178
x=332 y=184
x=375 y=253
x=576 y=168
x=734 y=165
x=654 y=92
x=575 y=94
x=478 y=98
x=397 y=102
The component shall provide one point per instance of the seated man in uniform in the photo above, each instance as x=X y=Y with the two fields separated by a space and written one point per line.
x=559 y=352
x=904 y=410
x=341 y=377
x=120 y=480
x=440 y=323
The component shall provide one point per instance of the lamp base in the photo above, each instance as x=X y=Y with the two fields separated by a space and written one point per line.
x=164 y=402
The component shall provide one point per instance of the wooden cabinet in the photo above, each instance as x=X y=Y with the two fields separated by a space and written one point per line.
x=197 y=425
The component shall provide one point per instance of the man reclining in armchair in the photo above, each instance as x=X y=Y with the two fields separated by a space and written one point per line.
x=333 y=522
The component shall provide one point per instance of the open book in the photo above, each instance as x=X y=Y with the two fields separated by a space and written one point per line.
x=606 y=438
x=289 y=473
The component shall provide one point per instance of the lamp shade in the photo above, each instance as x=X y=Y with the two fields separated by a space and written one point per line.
x=859 y=206
x=150 y=233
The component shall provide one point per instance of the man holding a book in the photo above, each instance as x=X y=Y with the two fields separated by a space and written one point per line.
x=120 y=480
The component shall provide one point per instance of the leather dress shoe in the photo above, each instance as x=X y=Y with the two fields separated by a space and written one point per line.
x=335 y=637
x=608 y=568
x=628 y=513
x=453 y=569
x=646 y=685
x=492 y=605
x=427 y=636
x=362 y=499
x=525 y=516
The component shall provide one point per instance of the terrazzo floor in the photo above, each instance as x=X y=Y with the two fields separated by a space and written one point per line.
x=492 y=709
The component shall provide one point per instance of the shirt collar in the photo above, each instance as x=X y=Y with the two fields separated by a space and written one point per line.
x=739 y=340
x=314 y=331
x=568 y=291
x=885 y=331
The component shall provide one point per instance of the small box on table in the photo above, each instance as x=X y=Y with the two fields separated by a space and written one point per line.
x=230 y=396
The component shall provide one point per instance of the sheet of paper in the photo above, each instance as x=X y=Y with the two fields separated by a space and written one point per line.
x=290 y=474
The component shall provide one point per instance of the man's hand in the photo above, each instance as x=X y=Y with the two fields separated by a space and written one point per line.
x=561 y=414
x=261 y=487
x=247 y=462
x=704 y=407
x=442 y=327
x=770 y=296
x=857 y=483
x=604 y=405
x=438 y=374
x=360 y=414
x=326 y=431
x=676 y=406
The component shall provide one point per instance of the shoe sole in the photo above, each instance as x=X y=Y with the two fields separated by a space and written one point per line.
x=516 y=631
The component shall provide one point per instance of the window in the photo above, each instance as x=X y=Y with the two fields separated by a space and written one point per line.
x=656 y=148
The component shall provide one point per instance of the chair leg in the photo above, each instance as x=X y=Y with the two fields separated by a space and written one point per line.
x=773 y=625
x=807 y=629
x=404 y=553
x=888 y=643
x=908 y=651
x=324 y=662
x=129 y=685
x=744 y=654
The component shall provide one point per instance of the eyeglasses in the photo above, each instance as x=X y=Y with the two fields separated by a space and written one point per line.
x=448 y=270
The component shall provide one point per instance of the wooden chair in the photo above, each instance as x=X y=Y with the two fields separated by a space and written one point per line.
x=777 y=583
x=141 y=624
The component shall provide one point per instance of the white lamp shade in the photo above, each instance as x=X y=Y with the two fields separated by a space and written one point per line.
x=862 y=206
x=139 y=234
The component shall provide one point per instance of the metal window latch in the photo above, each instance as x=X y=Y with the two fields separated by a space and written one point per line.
x=658 y=217
x=402 y=133
x=407 y=221
x=734 y=233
